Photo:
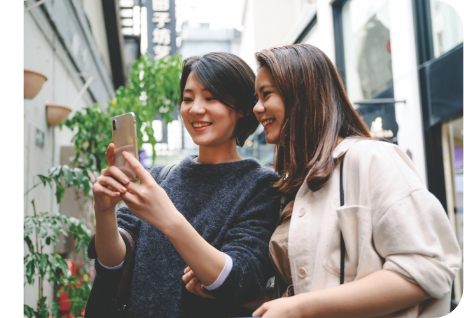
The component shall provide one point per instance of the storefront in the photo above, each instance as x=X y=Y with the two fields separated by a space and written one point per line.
x=440 y=58
x=415 y=101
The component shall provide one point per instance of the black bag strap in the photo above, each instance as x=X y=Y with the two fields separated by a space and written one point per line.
x=342 y=241
x=164 y=173
x=119 y=297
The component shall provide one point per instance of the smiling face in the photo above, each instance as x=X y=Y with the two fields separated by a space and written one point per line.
x=208 y=121
x=270 y=108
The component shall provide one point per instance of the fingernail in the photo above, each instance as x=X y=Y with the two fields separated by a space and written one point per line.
x=124 y=153
x=123 y=190
x=125 y=180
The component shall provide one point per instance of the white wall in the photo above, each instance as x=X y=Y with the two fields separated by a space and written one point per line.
x=62 y=88
x=247 y=47
x=94 y=11
x=323 y=35
x=266 y=24
x=406 y=82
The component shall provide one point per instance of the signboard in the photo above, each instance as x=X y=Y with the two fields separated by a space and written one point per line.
x=39 y=138
x=161 y=25
x=381 y=121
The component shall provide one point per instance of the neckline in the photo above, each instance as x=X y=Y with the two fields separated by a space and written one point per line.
x=189 y=165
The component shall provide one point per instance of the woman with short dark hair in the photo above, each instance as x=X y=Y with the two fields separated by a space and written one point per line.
x=214 y=213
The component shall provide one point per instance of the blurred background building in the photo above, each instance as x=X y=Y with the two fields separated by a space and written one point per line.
x=401 y=62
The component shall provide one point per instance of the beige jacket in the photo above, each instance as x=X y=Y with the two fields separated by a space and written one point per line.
x=389 y=221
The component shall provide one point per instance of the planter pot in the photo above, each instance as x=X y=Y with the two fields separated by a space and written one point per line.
x=56 y=113
x=33 y=82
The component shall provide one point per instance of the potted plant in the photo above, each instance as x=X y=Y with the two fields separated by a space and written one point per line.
x=33 y=82
x=45 y=228
x=56 y=113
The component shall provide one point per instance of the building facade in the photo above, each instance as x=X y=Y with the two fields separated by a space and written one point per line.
x=402 y=65
x=78 y=46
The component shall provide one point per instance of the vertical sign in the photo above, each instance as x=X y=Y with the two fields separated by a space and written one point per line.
x=161 y=25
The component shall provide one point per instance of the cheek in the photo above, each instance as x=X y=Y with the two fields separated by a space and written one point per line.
x=226 y=116
x=279 y=109
x=184 y=112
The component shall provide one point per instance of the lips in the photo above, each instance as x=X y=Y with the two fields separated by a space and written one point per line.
x=201 y=125
x=267 y=122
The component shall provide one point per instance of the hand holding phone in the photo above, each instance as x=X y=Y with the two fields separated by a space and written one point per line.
x=110 y=184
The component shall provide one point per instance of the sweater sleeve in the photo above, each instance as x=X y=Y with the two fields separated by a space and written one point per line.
x=132 y=224
x=247 y=243
x=128 y=220
x=416 y=240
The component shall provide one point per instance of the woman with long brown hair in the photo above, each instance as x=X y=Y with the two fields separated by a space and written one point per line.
x=360 y=235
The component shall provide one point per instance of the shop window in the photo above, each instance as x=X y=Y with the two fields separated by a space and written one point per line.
x=447 y=30
x=366 y=44
x=452 y=136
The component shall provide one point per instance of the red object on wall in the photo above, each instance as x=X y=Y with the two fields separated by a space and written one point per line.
x=63 y=299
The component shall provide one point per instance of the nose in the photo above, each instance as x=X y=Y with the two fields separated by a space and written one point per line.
x=197 y=108
x=259 y=108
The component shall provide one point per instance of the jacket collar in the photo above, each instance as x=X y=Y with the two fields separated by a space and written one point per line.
x=343 y=146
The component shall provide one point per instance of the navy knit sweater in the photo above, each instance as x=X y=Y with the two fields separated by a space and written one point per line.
x=234 y=207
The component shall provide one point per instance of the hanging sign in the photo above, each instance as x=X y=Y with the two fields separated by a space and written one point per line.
x=381 y=121
x=161 y=25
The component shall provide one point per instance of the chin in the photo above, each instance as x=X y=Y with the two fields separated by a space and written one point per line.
x=203 y=141
x=271 y=139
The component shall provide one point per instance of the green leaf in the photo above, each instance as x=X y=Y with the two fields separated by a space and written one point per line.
x=68 y=175
x=30 y=269
x=55 y=309
x=43 y=263
x=28 y=311
x=30 y=246
x=59 y=193
x=48 y=240
x=45 y=180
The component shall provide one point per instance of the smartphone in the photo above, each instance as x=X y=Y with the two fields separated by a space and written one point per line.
x=125 y=139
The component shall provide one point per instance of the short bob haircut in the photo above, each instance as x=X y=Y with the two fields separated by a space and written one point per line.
x=317 y=112
x=231 y=81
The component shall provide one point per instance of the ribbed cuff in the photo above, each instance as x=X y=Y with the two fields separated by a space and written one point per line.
x=109 y=267
x=223 y=275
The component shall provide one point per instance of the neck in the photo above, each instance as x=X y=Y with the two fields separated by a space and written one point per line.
x=223 y=153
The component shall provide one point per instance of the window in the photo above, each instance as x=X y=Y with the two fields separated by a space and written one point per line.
x=446 y=27
x=366 y=44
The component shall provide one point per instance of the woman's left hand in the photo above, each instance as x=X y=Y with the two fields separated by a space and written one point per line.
x=193 y=285
x=279 y=308
x=148 y=200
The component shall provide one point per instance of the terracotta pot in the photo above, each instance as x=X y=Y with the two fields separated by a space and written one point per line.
x=33 y=82
x=56 y=113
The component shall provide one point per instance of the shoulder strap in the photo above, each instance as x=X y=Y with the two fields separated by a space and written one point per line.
x=164 y=173
x=342 y=241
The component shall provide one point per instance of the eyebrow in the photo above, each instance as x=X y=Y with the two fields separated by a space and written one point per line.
x=264 y=86
x=189 y=90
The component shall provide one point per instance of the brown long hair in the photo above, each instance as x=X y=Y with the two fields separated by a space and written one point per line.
x=317 y=112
